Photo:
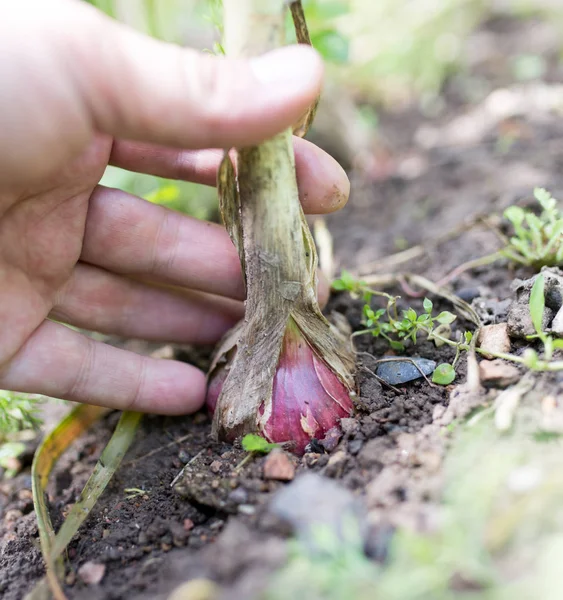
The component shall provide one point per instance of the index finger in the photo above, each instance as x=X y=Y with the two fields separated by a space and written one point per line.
x=323 y=184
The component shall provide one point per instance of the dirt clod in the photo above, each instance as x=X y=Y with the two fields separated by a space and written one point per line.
x=279 y=466
x=498 y=373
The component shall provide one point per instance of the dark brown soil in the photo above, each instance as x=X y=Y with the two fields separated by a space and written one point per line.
x=216 y=524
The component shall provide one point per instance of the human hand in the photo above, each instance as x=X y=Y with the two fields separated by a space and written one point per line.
x=75 y=86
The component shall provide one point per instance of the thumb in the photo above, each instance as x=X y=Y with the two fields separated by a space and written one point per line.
x=139 y=88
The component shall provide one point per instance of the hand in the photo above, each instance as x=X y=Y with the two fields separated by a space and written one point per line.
x=75 y=85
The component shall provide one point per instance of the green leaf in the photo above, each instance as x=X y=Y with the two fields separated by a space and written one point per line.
x=446 y=317
x=537 y=304
x=255 y=443
x=404 y=325
x=515 y=215
x=427 y=305
x=410 y=314
x=396 y=345
x=346 y=282
x=443 y=374
x=468 y=336
x=9 y=451
x=558 y=344
x=530 y=357
x=544 y=198
x=379 y=313
x=332 y=45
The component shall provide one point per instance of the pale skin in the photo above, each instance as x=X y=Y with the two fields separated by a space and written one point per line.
x=78 y=91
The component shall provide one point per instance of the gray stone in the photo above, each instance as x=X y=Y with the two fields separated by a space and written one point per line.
x=312 y=503
x=395 y=372
x=519 y=319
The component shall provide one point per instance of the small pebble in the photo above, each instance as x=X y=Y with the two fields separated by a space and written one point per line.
x=196 y=589
x=91 y=573
x=557 y=323
x=215 y=466
x=494 y=338
x=279 y=466
x=349 y=426
x=331 y=439
x=239 y=496
x=183 y=457
x=25 y=494
x=468 y=293
x=395 y=372
x=498 y=373
x=336 y=464
x=143 y=539
x=13 y=515
x=246 y=509
x=310 y=459
x=188 y=524
x=355 y=446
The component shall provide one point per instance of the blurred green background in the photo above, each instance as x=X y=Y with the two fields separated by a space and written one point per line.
x=384 y=54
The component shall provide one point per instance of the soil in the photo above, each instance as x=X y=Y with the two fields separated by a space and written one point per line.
x=216 y=523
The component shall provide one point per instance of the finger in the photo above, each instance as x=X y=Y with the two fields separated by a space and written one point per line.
x=130 y=236
x=139 y=88
x=323 y=184
x=101 y=301
x=57 y=361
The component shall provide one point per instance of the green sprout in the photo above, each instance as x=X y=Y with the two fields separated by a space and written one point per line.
x=132 y=493
x=348 y=283
x=537 y=240
x=397 y=329
x=443 y=374
x=256 y=443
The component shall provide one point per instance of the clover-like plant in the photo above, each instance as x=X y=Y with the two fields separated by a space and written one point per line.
x=537 y=240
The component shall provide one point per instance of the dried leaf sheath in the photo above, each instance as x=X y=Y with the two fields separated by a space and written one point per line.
x=264 y=218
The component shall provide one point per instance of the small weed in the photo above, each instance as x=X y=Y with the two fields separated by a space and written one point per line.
x=537 y=240
x=255 y=443
x=348 y=283
x=132 y=493
x=544 y=437
x=386 y=323
x=9 y=453
x=397 y=329
x=17 y=413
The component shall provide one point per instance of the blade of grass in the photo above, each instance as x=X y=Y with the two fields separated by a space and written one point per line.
x=46 y=456
x=537 y=305
x=70 y=428
x=106 y=466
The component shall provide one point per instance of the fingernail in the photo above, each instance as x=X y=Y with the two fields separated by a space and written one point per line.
x=294 y=65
